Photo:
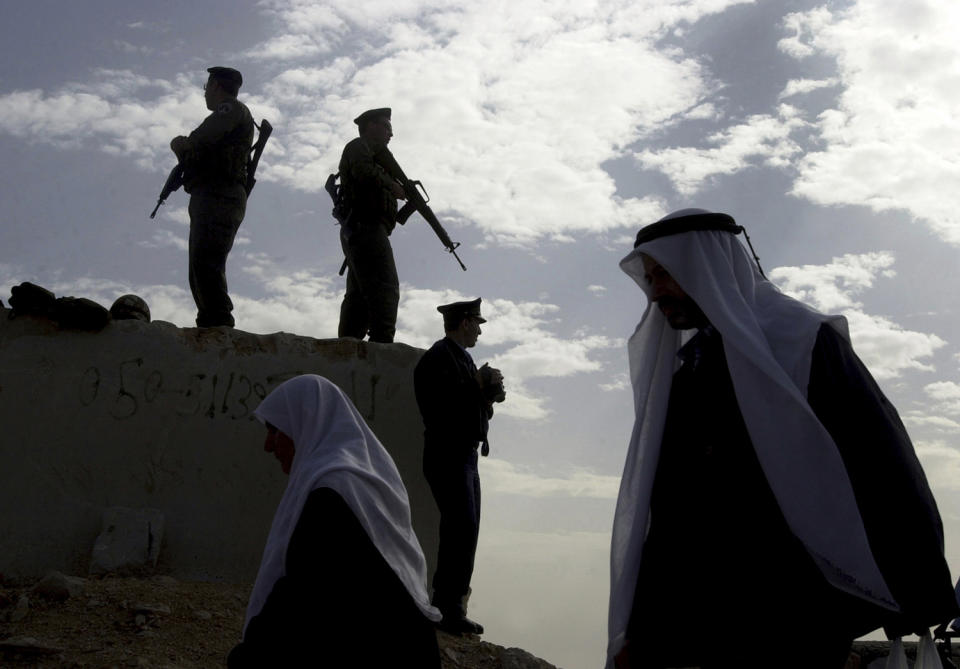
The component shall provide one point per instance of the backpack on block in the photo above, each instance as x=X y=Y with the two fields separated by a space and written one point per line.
x=29 y=298
x=79 y=313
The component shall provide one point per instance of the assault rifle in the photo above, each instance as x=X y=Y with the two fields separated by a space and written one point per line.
x=175 y=178
x=265 y=131
x=173 y=182
x=416 y=202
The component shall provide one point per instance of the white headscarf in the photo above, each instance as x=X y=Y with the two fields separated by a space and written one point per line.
x=768 y=340
x=335 y=449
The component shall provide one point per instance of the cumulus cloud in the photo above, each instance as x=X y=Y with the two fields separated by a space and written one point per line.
x=179 y=215
x=162 y=238
x=890 y=141
x=501 y=476
x=801 y=86
x=488 y=106
x=884 y=346
x=832 y=287
x=618 y=382
x=941 y=462
x=119 y=112
x=761 y=139
x=519 y=339
x=945 y=395
x=923 y=420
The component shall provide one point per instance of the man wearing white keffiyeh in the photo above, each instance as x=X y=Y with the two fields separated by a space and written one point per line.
x=768 y=481
x=341 y=562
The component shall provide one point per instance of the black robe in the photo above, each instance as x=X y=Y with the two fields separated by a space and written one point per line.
x=339 y=603
x=719 y=561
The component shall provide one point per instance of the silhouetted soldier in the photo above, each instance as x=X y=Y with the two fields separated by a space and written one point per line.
x=456 y=402
x=370 y=194
x=214 y=158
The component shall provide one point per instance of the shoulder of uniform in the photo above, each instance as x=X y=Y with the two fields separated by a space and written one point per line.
x=226 y=108
x=355 y=144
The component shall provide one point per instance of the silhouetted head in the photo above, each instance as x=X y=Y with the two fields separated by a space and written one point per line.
x=374 y=125
x=461 y=321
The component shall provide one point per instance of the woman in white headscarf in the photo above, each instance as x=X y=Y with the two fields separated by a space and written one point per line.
x=343 y=578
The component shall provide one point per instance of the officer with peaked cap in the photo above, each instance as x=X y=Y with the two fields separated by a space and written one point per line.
x=768 y=483
x=214 y=159
x=373 y=289
x=456 y=403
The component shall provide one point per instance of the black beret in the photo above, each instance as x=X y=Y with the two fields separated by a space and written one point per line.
x=227 y=73
x=462 y=310
x=372 y=114
x=687 y=220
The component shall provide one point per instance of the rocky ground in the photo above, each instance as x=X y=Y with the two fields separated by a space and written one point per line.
x=159 y=621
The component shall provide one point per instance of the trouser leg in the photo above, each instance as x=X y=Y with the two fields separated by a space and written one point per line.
x=457 y=493
x=353 y=308
x=214 y=221
x=376 y=288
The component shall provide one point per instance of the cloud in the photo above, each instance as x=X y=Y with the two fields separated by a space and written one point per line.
x=760 y=139
x=941 y=463
x=833 y=286
x=107 y=110
x=129 y=48
x=885 y=347
x=597 y=290
x=488 y=106
x=946 y=396
x=890 y=141
x=118 y=112
x=518 y=338
x=618 y=382
x=920 y=420
x=177 y=214
x=802 y=86
x=162 y=238
x=500 y=476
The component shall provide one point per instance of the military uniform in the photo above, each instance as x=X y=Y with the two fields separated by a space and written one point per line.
x=373 y=289
x=456 y=414
x=215 y=157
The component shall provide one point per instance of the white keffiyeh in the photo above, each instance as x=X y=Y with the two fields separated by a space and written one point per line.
x=768 y=341
x=335 y=449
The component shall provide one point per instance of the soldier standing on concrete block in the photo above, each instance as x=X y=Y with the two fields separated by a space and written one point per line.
x=370 y=194
x=456 y=402
x=214 y=160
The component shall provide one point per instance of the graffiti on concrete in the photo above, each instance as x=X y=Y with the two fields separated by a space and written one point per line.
x=129 y=387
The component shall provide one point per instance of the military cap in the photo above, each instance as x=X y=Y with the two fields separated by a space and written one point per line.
x=227 y=73
x=372 y=114
x=687 y=220
x=458 y=310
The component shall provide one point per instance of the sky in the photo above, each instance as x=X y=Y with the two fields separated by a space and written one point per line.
x=546 y=134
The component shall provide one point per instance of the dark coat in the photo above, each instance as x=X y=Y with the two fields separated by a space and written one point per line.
x=455 y=413
x=367 y=188
x=339 y=603
x=719 y=550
